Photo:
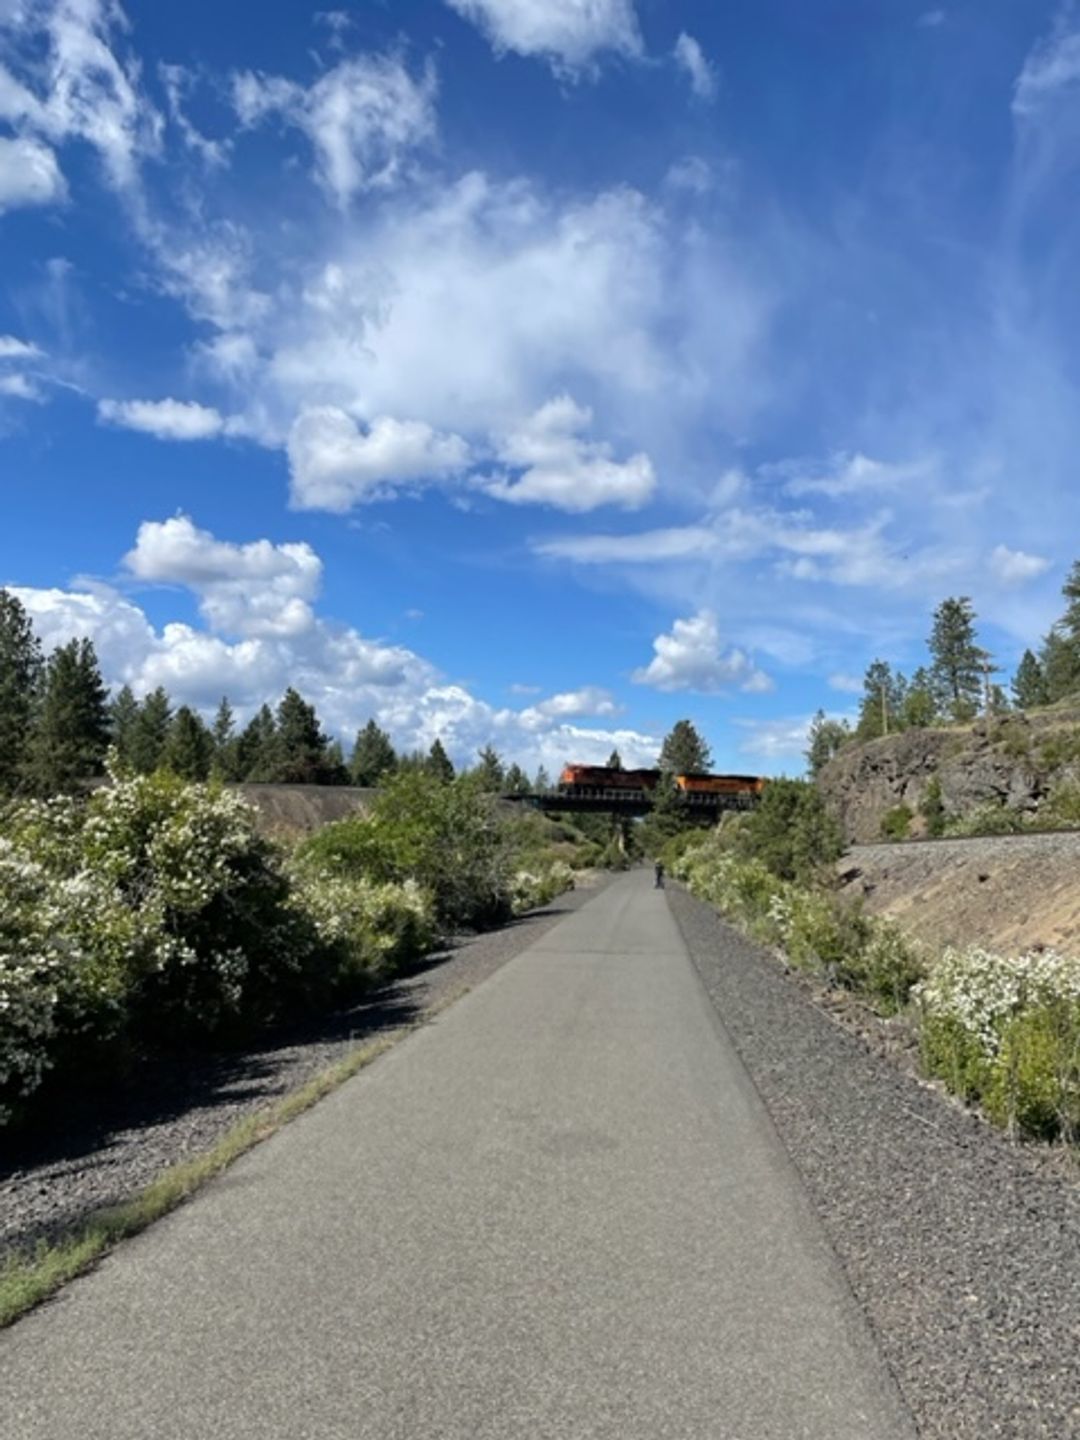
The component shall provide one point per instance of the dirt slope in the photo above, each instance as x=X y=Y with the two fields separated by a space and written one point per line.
x=1009 y=893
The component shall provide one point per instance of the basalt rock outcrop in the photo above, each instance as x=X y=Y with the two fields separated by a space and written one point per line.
x=1014 y=762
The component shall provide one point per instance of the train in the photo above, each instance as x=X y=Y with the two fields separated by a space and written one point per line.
x=595 y=781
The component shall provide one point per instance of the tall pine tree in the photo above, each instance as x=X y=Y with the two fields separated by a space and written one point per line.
x=439 y=762
x=373 y=756
x=257 y=747
x=20 y=674
x=189 y=746
x=684 y=751
x=957 y=667
x=150 y=731
x=123 y=717
x=70 y=733
x=1029 y=683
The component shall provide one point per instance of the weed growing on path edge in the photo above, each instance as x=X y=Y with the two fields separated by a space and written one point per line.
x=28 y=1279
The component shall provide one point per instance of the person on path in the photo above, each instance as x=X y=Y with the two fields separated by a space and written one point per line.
x=659 y=874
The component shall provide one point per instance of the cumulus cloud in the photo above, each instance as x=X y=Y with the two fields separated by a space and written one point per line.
x=167 y=419
x=362 y=118
x=846 y=684
x=77 y=87
x=555 y=466
x=784 y=738
x=691 y=658
x=1014 y=567
x=690 y=57
x=568 y=34
x=253 y=589
x=335 y=465
x=590 y=700
x=847 y=475
x=20 y=387
x=29 y=175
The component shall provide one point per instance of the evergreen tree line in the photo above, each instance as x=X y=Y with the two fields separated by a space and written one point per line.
x=956 y=684
x=58 y=723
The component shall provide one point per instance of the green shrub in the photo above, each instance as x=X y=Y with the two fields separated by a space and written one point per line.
x=1035 y=1084
x=988 y=820
x=369 y=932
x=791 y=832
x=932 y=809
x=449 y=838
x=896 y=823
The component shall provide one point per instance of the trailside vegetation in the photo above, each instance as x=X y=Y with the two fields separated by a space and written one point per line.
x=1000 y=1031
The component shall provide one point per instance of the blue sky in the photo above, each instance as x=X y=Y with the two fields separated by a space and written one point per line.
x=538 y=371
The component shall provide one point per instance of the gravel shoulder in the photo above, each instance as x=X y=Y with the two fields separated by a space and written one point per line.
x=963 y=1249
x=104 y=1148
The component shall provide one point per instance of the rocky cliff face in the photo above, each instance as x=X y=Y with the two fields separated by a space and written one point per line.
x=1014 y=762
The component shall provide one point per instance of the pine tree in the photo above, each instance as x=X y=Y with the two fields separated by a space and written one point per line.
x=824 y=739
x=879 y=712
x=335 y=771
x=150 y=731
x=20 y=676
x=516 y=782
x=684 y=751
x=373 y=756
x=542 y=782
x=1029 y=683
x=301 y=742
x=225 y=764
x=70 y=733
x=614 y=761
x=957 y=660
x=490 y=773
x=920 y=707
x=123 y=717
x=439 y=763
x=257 y=754
x=189 y=746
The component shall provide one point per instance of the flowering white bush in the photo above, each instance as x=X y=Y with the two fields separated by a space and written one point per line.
x=529 y=889
x=1005 y=1030
x=372 y=928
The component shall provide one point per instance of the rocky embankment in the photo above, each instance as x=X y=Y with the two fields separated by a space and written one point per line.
x=1016 y=762
x=1009 y=893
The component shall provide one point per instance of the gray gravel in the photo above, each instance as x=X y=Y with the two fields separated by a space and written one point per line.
x=963 y=1249
x=105 y=1148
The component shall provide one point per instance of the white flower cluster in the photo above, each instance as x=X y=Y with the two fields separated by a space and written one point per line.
x=373 y=924
x=530 y=889
x=982 y=991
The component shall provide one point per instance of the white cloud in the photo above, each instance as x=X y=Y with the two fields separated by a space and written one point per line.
x=349 y=677
x=167 y=419
x=29 y=175
x=569 y=34
x=12 y=348
x=692 y=173
x=645 y=548
x=846 y=475
x=931 y=19
x=1053 y=66
x=79 y=88
x=335 y=465
x=362 y=118
x=557 y=467
x=178 y=83
x=19 y=387
x=252 y=590
x=1014 y=567
x=846 y=684
x=591 y=700
x=691 y=658
x=691 y=58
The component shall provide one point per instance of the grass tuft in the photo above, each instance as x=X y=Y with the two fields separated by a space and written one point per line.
x=28 y=1278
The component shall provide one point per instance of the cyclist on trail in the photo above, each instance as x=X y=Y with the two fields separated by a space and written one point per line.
x=659 y=874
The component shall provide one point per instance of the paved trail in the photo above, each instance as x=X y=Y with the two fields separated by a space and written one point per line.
x=558 y=1213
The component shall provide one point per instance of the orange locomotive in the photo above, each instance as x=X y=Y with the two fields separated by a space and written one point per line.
x=591 y=779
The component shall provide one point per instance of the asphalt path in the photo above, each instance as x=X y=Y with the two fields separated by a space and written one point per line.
x=560 y=1210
